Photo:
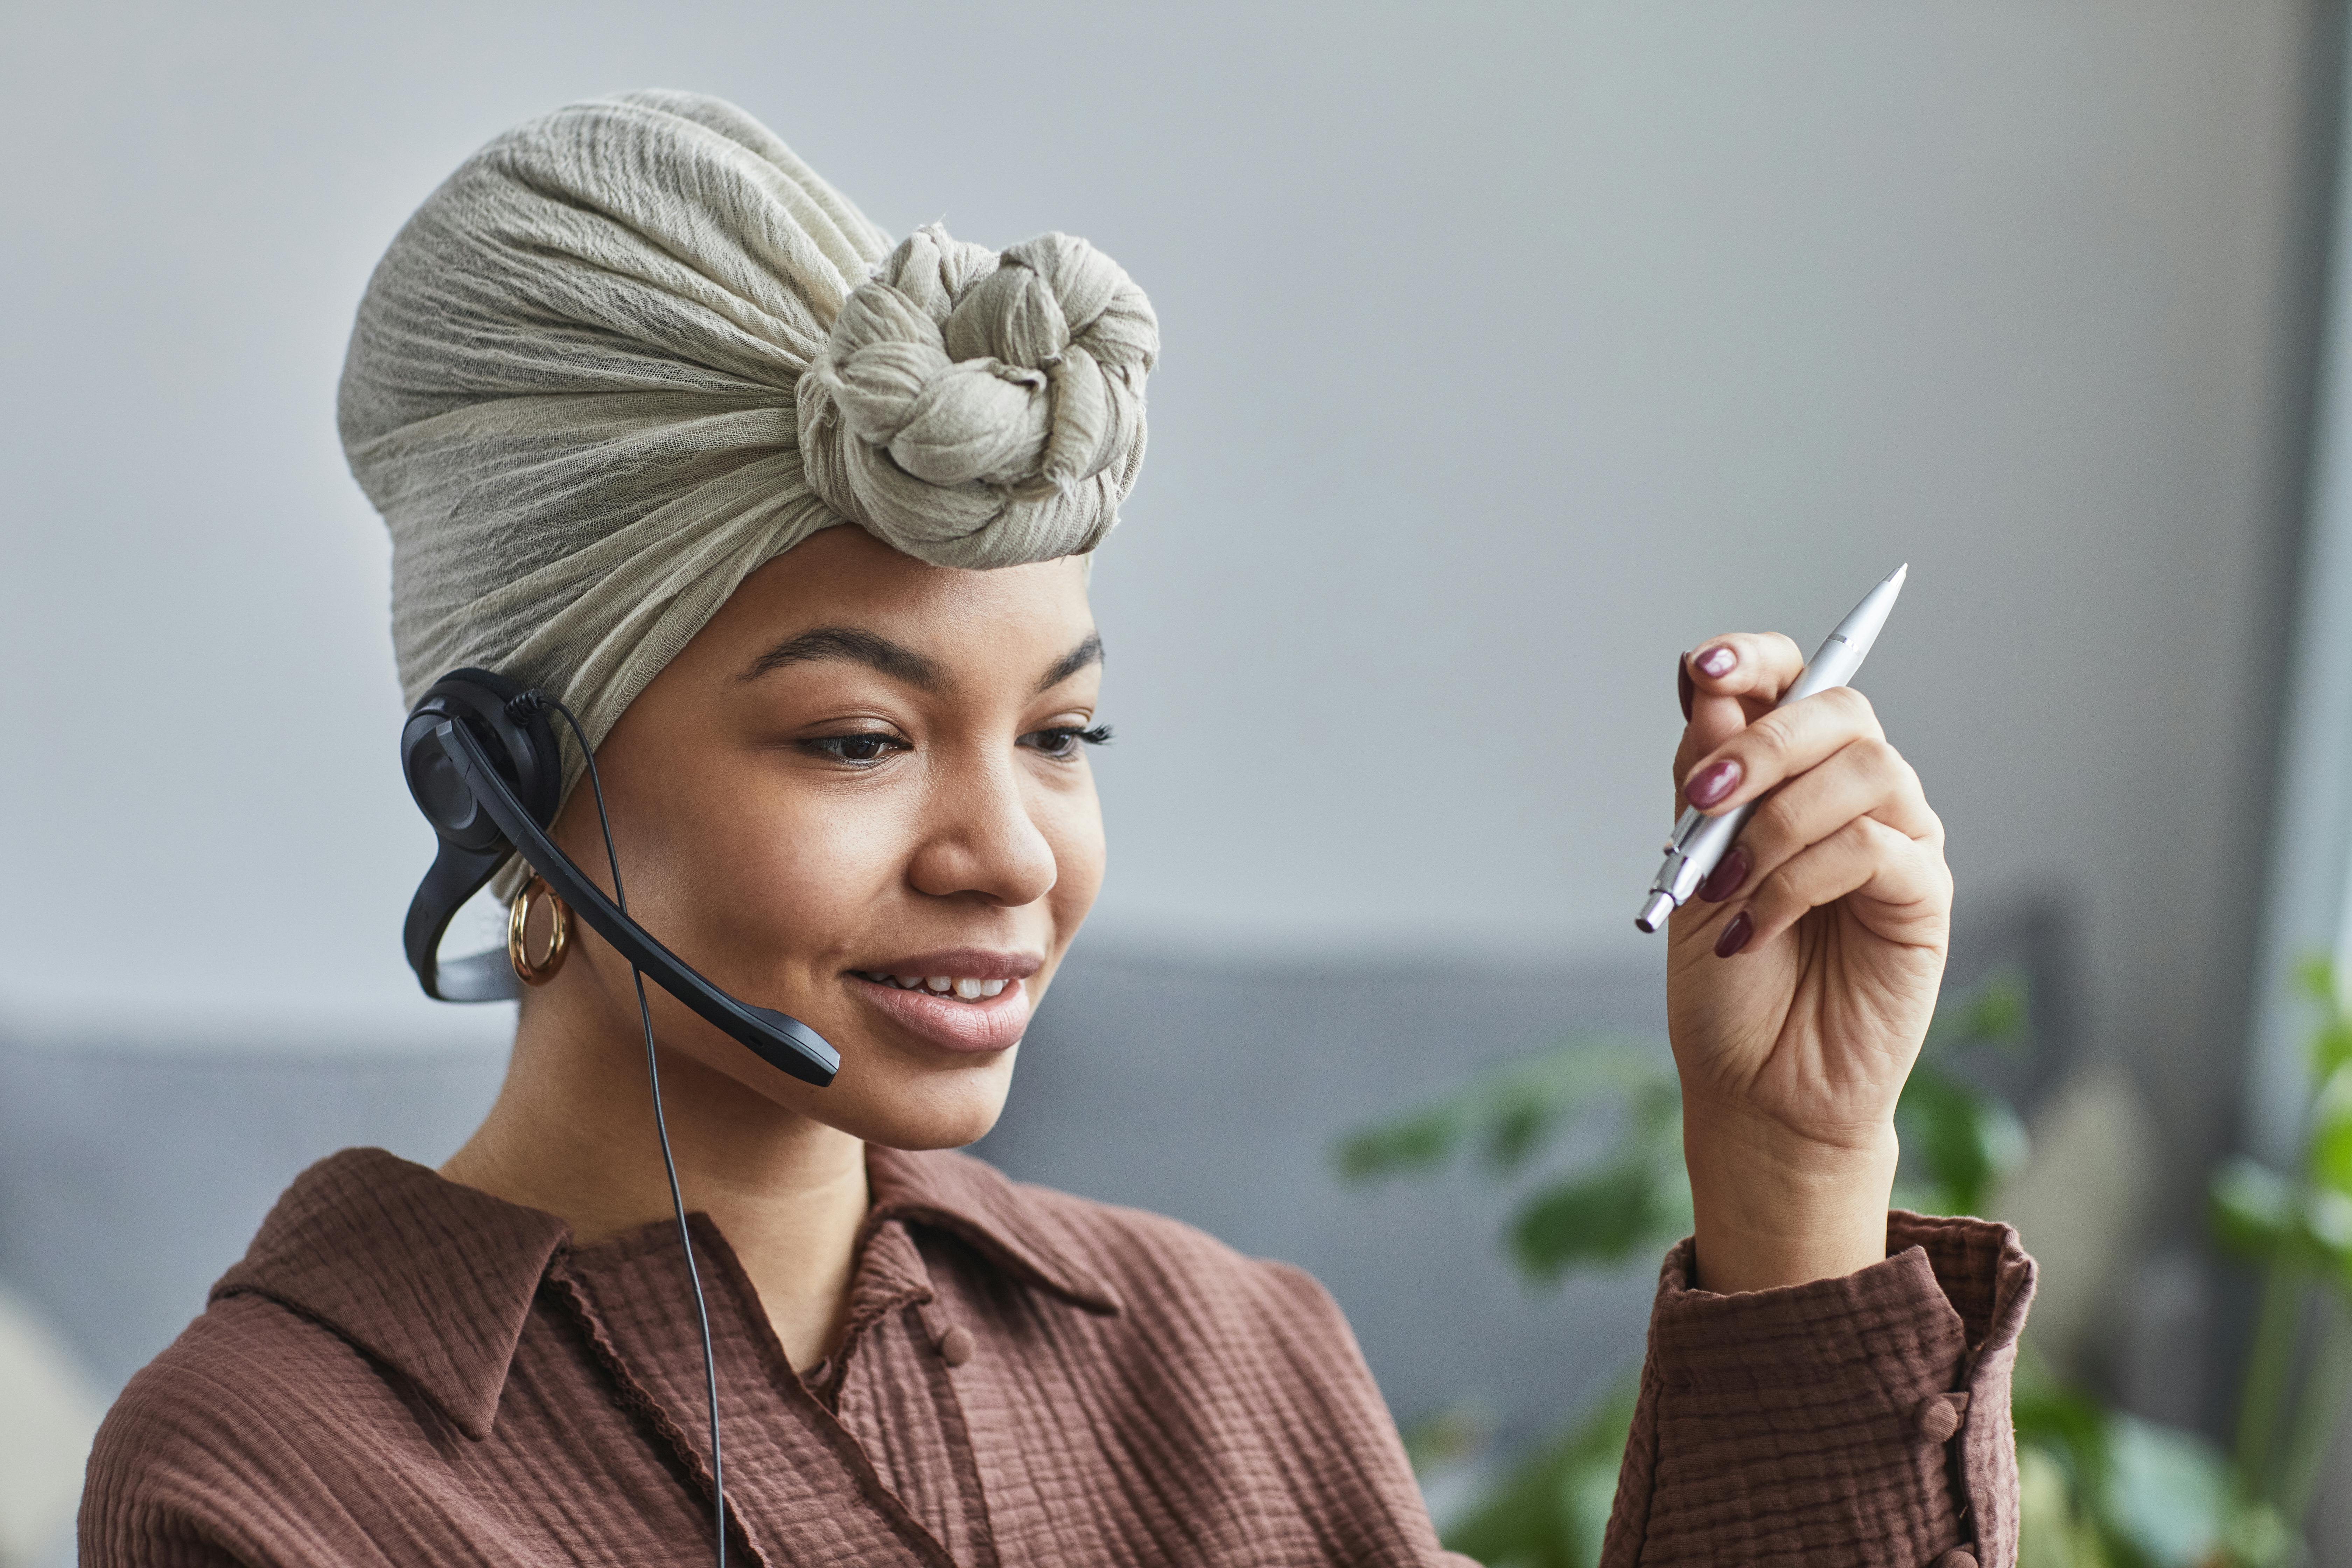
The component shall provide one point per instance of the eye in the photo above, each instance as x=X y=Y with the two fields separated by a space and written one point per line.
x=857 y=751
x=1061 y=742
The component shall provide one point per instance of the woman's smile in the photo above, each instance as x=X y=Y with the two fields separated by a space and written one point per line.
x=964 y=1000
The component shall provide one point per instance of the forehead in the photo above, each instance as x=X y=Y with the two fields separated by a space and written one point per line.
x=966 y=621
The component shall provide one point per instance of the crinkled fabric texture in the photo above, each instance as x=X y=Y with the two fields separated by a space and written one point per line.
x=633 y=350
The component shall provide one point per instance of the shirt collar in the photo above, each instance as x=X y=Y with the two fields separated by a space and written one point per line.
x=436 y=1280
x=431 y=1278
x=1024 y=1231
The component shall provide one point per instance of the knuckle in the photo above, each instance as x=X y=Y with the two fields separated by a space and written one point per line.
x=1769 y=739
x=1779 y=899
x=1770 y=900
x=1877 y=754
x=1890 y=775
x=1774 y=822
x=1876 y=839
x=1855 y=708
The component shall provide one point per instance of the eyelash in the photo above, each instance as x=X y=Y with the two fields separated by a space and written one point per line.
x=831 y=747
x=1100 y=735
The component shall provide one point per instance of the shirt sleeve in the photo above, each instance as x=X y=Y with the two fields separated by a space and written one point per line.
x=1863 y=1420
x=188 y=1472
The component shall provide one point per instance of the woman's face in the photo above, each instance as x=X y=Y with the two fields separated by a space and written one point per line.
x=865 y=777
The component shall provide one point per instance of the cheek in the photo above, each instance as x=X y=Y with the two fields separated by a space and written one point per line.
x=1074 y=830
x=771 y=881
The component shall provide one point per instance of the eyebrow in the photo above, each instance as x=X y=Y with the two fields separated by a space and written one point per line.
x=879 y=653
x=1088 y=652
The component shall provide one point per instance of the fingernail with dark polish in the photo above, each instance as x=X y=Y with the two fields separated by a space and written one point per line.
x=1734 y=935
x=1683 y=687
x=1712 y=782
x=1715 y=663
x=1725 y=879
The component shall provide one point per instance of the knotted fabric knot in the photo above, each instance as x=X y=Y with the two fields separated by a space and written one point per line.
x=981 y=409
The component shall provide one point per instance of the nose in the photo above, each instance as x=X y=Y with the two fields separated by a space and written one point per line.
x=983 y=841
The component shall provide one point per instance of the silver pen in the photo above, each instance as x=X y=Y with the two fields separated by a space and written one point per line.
x=1700 y=842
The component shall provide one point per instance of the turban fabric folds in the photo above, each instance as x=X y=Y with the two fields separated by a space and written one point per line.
x=632 y=351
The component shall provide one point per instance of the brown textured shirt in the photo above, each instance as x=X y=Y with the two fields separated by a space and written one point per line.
x=405 y=1370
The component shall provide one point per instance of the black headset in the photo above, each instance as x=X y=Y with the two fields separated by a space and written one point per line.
x=481 y=759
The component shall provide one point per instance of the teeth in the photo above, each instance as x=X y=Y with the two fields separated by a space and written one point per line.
x=964 y=989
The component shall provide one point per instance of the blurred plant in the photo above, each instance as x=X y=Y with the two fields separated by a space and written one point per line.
x=1608 y=1113
x=1626 y=1194
x=2296 y=1225
x=1958 y=1140
x=1611 y=1109
x=1589 y=1134
x=2100 y=1488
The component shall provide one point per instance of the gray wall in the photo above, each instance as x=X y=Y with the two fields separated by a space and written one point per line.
x=1510 y=349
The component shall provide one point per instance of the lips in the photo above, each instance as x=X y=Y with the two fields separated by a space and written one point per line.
x=961 y=1015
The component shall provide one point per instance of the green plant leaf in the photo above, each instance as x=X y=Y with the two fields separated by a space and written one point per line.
x=1518 y=1121
x=2256 y=1212
x=2329 y=1160
x=1606 y=1217
x=2331 y=1046
x=2055 y=1528
x=2327 y=1227
x=1957 y=1139
x=2059 y=1422
x=2258 y=1536
x=1508 y=1114
x=1552 y=1509
x=1420 y=1140
x=2331 y=1042
x=1994 y=1012
x=2167 y=1492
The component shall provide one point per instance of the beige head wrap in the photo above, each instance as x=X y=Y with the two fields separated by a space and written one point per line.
x=632 y=351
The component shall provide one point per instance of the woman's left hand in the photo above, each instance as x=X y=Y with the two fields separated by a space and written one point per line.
x=1802 y=977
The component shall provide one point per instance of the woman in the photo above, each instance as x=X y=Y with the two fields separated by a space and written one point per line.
x=617 y=389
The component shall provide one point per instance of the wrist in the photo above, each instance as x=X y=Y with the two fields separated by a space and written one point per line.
x=1774 y=1208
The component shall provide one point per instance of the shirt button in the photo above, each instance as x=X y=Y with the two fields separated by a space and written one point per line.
x=955 y=1348
x=1936 y=1418
x=1958 y=1557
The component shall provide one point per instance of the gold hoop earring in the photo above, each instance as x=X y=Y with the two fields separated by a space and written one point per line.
x=559 y=934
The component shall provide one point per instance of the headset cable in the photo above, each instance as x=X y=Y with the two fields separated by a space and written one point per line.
x=661 y=1126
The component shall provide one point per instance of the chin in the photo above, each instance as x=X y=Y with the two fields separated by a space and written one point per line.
x=928 y=1115
x=884 y=1100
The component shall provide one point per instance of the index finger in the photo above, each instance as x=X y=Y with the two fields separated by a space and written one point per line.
x=1727 y=683
x=1757 y=666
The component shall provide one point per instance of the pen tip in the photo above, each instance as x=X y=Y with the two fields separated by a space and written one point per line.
x=1900 y=573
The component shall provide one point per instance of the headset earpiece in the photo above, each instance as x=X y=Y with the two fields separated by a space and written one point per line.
x=514 y=731
x=521 y=745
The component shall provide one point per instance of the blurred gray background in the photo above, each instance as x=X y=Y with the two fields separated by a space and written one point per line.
x=1510 y=350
